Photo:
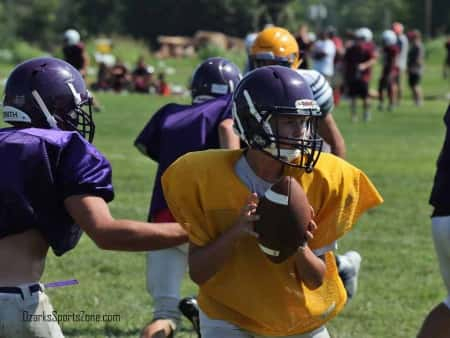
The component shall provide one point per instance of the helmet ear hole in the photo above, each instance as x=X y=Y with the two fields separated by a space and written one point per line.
x=261 y=140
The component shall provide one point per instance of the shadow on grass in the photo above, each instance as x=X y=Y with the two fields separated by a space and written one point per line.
x=116 y=332
x=100 y=332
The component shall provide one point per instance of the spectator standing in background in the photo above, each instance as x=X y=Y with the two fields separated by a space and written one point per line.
x=402 y=43
x=336 y=80
x=415 y=65
x=323 y=52
x=75 y=52
x=358 y=60
x=304 y=45
x=389 y=75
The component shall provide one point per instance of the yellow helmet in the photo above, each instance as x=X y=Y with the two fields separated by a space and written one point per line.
x=275 y=45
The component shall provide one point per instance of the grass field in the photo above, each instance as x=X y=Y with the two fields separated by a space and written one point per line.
x=399 y=280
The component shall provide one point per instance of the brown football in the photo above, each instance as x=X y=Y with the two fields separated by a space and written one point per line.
x=284 y=217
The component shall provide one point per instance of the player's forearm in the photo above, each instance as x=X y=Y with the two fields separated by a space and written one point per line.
x=227 y=137
x=331 y=134
x=368 y=63
x=338 y=148
x=130 y=235
x=309 y=268
x=229 y=140
x=206 y=261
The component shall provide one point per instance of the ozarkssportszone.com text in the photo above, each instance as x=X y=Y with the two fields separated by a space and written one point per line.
x=81 y=316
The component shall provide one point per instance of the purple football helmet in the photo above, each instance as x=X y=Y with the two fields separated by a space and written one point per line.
x=261 y=98
x=213 y=78
x=48 y=93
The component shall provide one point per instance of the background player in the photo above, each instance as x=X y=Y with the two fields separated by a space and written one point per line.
x=171 y=132
x=74 y=51
x=359 y=59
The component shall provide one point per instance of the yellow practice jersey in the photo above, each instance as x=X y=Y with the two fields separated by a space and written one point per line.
x=205 y=195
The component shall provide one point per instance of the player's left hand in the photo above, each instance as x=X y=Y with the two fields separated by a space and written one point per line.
x=312 y=227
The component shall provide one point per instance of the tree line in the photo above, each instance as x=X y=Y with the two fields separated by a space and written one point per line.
x=41 y=22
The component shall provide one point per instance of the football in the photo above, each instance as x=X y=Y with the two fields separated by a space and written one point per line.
x=284 y=215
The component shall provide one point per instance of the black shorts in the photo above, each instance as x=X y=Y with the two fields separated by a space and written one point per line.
x=414 y=79
x=358 y=88
x=387 y=80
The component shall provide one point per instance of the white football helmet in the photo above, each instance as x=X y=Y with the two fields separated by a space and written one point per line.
x=389 y=38
x=71 y=37
x=364 y=33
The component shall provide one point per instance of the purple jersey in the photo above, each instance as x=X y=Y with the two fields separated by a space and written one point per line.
x=40 y=168
x=440 y=197
x=178 y=129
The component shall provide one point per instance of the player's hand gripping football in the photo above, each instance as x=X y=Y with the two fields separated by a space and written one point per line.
x=311 y=228
x=245 y=223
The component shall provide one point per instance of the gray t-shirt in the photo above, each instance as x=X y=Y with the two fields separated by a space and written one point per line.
x=253 y=182
x=256 y=184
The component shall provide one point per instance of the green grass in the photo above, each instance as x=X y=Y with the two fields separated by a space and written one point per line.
x=399 y=281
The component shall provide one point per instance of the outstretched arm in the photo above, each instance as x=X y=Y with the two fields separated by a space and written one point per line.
x=92 y=214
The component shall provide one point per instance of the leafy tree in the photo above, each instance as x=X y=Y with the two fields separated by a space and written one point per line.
x=31 y=20
x=42 y=22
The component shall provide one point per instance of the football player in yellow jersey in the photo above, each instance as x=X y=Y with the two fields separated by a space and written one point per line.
x=277 y=46
x=214 y=195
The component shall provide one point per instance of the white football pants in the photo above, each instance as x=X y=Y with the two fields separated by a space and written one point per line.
x=165 y=272
x=213 y=328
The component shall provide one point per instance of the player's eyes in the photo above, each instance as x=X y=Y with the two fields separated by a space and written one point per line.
x=297 y=121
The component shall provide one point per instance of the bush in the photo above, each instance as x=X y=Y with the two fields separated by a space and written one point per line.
x=209 y=51
x=18 y=52
x=239 y=58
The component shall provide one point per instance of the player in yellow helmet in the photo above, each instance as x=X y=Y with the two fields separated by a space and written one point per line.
x=275 y=45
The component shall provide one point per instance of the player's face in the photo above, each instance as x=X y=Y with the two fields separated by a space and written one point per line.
x=291 y=128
